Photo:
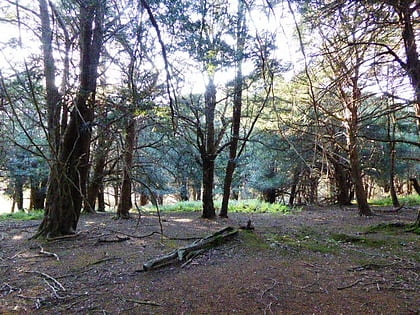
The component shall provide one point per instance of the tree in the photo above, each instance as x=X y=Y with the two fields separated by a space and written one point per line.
x=69 y=167
x=237 y=108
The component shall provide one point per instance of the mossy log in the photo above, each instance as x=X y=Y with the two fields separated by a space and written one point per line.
x=190 y=251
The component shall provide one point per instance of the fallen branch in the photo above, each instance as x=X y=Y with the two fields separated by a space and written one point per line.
x=190 y=251
x=48 y=277
x=350 y=285
x=63 y=237
x=134 y=236
x=117 y=240
x=103 y=260
x=44 y=252
x=143 y=302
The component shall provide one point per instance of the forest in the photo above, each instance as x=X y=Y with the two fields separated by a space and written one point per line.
x=245 y=110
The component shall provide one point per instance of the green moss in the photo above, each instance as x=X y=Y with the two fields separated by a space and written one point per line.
x=253 y=240
x=305 y=239
x=393 y=228
x=370 y=242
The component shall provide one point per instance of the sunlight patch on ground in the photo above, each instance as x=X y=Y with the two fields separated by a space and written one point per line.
x=183 y=220
x=18 y=237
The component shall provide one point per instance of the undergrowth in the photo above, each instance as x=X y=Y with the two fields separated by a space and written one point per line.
x=411 y=200
x=23 y=216
x=243 y=206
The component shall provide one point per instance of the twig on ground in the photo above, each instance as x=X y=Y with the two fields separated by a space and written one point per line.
x=46 y=253
x=7 y=288
x=134 y=236
x=143 y=302
x=117 y=240
x=47 y=276
x=63 y=237
x=102 y=260
x=350 y=285
x=54 y=290
x=268 y=289
x=39 y=300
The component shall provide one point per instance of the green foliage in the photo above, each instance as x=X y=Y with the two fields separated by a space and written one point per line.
x=243 y=206
x=252 y=205
x=189 y=206
x=23 y=216
x=411 y=200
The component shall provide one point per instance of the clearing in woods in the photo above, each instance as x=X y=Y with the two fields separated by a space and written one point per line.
x=316 y=261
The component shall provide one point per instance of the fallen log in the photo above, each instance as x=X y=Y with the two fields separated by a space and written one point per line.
x=188 y=252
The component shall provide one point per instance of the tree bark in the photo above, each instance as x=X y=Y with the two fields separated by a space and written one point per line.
x=96 y=182
x=391 y=143
x=67 y=184
x=269 y=195
x=208 y=152
x=406 y=11
x=184 y=188
x=18 y=193
x=343 y=184
x=37 y=194
x=352 y=105
x=293 y=189
x=52 y=96
x=237 y=109
x=125 y=202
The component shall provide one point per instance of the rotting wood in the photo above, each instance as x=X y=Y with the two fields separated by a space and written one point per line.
x=188 y=252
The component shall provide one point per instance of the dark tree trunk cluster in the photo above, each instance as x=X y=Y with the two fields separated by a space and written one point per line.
x=69 y=170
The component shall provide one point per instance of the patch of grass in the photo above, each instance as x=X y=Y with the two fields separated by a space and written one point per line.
x=411 y=200
x=23 y=216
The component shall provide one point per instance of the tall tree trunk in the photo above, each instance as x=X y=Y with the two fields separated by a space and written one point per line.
x=237 y=109
x=101 y=198
x=184 y=188
x=18 y=193
x=293 y=189
x=37 y=194
x=391 y=142
x=356 y=175
x=407 y=10
x=96 y=181
x=269 y=195
x=343 y=184
x=69 y=169
x=125 y=202
x=208 y=154
x=352 y=105
x=52 y=95
x=416 y=187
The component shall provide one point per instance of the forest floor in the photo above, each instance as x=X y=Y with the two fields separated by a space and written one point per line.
x=315 y=261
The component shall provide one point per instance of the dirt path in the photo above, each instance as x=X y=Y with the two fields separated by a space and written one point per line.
x=318 y=261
